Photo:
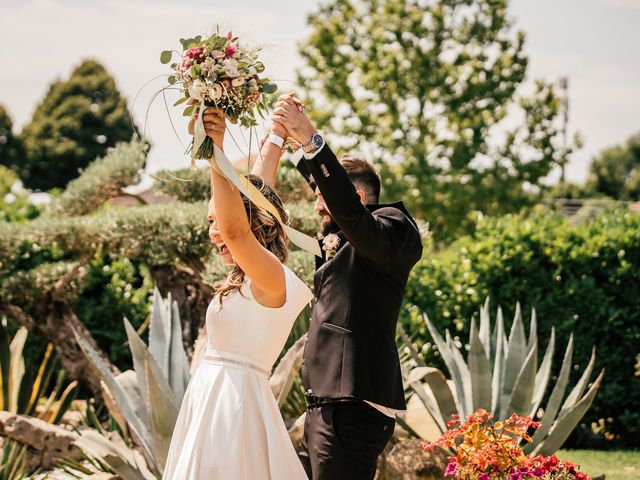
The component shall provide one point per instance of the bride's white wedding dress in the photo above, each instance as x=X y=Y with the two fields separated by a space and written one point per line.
x=229 y=426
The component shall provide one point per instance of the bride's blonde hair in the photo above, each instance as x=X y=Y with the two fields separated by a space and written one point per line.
x=265 y=228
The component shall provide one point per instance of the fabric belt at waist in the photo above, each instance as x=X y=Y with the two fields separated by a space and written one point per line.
x=232 y=360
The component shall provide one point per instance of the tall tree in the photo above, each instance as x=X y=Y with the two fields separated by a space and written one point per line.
x=430 y=91
x=75 y=123
x=615 y=172
x=10 y=145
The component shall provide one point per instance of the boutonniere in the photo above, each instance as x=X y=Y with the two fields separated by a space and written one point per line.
x=330 y=244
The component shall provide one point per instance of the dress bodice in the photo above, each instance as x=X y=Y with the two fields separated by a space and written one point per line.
x=243 y=327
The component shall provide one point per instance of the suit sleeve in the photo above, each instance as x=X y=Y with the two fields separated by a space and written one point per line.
x=380 y=236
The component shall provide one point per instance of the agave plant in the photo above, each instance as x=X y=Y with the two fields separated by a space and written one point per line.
x=502 y=375
x=145 y=402
x=25 y=387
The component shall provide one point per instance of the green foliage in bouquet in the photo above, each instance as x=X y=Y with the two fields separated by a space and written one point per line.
x=581 y=278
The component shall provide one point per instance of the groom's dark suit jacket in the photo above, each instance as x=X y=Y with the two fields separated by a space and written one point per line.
x=351 y=350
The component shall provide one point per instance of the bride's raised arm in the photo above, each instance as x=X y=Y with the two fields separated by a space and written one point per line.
x=232 y=224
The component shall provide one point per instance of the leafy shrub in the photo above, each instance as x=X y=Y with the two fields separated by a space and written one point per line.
x=582 y=278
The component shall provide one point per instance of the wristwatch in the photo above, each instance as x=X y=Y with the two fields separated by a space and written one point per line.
x=315 y=143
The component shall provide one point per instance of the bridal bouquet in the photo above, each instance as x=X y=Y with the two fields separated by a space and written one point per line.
x=218 y=72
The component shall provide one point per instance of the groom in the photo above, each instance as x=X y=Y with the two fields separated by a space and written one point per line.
x=351 y=370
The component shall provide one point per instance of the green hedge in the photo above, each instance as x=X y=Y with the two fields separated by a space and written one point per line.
x=583 y=279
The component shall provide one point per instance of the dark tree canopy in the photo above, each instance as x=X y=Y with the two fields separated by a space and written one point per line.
x=424 y=89
x=76 y=122
x=10 y=145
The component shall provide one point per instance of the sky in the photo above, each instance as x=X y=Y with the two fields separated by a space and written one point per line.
x=593 y=42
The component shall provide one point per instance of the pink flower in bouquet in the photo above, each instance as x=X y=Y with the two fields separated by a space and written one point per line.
x=185 y=64
x=231 y=50
x=195 y=53
x=230 y=35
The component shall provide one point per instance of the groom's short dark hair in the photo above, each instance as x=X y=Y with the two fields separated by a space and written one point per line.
x=363 y=175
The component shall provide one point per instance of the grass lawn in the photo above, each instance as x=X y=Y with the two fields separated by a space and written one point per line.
x=615 y=465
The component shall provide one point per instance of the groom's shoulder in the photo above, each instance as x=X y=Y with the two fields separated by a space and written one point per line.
x=394 y=211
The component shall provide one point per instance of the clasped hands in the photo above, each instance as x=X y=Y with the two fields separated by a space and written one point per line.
x=289 y=121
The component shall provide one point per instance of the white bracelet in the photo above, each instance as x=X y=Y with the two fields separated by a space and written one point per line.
x=275 y=139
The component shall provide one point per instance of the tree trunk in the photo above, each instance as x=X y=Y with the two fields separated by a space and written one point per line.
x=192 y=294
x=57 y=324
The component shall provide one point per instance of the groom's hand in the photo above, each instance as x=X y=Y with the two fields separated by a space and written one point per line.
x=289 y=113
x=214 y=125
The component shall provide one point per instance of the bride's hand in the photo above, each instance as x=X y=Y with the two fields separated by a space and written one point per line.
x=214 y=125
x=284 y=100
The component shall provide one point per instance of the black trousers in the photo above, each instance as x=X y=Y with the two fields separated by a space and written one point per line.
x=343 y=441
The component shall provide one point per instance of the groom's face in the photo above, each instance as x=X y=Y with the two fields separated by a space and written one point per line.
x=327 y=225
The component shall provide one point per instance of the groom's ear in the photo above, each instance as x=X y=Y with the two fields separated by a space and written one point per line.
x=362 y=194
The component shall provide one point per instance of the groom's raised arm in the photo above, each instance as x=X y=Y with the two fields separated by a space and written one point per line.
x=382 y=236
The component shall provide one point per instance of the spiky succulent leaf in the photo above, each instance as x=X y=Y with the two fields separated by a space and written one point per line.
x=520 y=400
x=137 y=347
x=115 y=453
x=515 y=356
x=579 y=388
x=141 y=432
x=565 y=424
x=447 y=357
x=178 y=362
x=432 y=388
x=163 y=409
x=479 y=370
x=498 y=363
x=555 y=400
x=543 y=375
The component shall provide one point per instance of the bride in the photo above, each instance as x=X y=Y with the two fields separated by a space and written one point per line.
x=229 y=426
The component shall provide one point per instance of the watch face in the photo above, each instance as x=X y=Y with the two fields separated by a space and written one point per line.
x=317 y=140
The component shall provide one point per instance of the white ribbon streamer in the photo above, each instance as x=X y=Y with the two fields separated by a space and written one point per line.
x=199 y=134
x=222 y=165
